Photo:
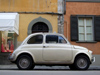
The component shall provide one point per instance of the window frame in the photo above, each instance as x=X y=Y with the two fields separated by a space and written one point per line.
x=86 y=16
x=74 y=28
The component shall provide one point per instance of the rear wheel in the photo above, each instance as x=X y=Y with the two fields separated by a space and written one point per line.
x=24 y=62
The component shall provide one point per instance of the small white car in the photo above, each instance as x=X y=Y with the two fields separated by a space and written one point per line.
x=50 y=49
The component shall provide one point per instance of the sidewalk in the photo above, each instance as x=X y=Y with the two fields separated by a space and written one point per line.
x=14 y=67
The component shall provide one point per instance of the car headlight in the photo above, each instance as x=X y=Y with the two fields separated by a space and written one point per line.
x=90 y=52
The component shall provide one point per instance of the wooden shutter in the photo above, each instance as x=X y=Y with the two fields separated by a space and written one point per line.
x=97 y=28
x=74 y=28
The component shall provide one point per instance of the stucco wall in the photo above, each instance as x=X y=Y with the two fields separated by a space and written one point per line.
x=28 y=6
x=25 y=19
x=81 y=8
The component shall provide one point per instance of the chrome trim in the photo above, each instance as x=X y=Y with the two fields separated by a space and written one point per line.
x=93 y=59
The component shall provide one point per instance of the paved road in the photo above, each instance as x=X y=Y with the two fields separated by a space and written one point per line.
x=32 y=72
x=47 y=70
x=14 y=67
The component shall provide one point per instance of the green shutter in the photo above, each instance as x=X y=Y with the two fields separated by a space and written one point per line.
x=97 y=28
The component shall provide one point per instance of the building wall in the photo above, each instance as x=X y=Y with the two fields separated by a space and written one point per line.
x=30 y=10
x=28 y=6
x=25 y=19
x=81 y=8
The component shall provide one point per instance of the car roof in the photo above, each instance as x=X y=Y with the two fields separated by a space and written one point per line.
x=46 y=33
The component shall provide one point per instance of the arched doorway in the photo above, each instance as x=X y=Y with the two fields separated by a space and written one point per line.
x=40 y=27
x=39 y=23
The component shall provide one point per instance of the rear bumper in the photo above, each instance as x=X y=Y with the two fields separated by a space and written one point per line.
x=11 y=57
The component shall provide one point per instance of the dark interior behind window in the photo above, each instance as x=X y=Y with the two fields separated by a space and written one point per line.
x=38 y=39
x=51 y=39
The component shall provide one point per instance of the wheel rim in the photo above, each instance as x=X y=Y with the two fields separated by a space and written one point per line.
x=24 y=63
x=82 y=63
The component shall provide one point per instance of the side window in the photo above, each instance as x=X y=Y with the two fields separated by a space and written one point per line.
x=62 y=40
x=51 y=39
x=38 y=39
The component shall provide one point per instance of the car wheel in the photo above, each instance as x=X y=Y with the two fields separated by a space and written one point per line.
x=82 y=63
x=24 y=62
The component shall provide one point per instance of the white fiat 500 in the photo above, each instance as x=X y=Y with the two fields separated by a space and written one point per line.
x=50 y=49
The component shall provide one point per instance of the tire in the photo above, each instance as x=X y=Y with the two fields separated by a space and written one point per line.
x=81 y=63
x=25 y=62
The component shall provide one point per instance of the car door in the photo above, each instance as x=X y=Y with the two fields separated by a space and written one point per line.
x=56 y=49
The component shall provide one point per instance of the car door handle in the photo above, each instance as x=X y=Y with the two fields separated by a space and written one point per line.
x=45 y=46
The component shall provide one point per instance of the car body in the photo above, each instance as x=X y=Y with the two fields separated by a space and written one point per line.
x=50 y=49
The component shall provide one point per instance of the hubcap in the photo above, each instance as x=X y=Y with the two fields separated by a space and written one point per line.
x=24 y=62
x=82 y=63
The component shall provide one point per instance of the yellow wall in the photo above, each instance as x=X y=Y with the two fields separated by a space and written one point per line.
x=31 y=6
x=28 y=6
x=25 y=19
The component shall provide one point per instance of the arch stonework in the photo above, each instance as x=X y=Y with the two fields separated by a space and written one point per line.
x=40 y=19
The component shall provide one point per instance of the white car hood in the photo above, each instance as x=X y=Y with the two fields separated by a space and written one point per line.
x=79 y=47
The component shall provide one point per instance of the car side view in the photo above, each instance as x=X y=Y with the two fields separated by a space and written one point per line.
x=50 y=49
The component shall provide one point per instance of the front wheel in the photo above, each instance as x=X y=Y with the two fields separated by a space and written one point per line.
x=24 y=62
x=81 y=63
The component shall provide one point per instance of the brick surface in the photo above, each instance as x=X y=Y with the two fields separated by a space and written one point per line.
x=81 y=8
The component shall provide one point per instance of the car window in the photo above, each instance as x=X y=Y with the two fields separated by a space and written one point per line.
x=62 y=40
x=51 y=39
x=38 y=39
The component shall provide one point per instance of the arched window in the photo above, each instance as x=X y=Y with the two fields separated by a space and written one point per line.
x=40 y=27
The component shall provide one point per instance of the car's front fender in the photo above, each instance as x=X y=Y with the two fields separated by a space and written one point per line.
x=86 y=53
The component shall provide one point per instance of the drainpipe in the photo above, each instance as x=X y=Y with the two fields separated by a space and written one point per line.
x=66 y=27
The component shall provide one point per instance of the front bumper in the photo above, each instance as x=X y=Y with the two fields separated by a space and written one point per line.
x=93 y=59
